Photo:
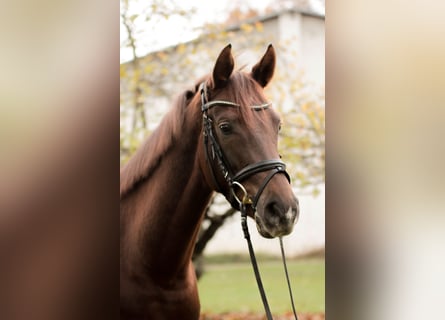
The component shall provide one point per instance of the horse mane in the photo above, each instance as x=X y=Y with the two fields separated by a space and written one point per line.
x=149 y=155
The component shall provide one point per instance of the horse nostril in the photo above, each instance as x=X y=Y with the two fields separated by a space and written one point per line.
x=274 y=208
x=277 y=214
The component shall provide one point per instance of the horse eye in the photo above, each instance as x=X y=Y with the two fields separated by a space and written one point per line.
x=279 y=127
x=225 y=128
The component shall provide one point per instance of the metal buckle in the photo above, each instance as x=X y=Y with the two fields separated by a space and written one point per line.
x=246 y=199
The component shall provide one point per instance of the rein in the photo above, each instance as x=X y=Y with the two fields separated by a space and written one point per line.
x=275 y=166
x=255 y=266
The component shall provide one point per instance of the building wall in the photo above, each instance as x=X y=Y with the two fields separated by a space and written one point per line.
x=304 y=34
x=313 y=49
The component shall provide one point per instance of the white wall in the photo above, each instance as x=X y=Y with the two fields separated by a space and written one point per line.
x=306 y=36
x=313 y=49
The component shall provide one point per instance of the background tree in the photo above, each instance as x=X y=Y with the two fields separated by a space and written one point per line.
x=142 y=77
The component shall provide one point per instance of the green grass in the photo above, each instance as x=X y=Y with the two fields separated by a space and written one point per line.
x=232 y=286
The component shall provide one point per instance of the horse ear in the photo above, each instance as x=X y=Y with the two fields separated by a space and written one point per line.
x=263 y=71
x=223 y=67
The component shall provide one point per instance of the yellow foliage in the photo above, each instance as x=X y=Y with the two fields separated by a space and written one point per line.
x=164 y=71
x=162 y=55
x=181 y=48
x=299 y=120
x=148 y=68
x=300 y=175
x=305 y=143
x=246 y=27
x=259 y=26
x=315 y=192
x=123 y=72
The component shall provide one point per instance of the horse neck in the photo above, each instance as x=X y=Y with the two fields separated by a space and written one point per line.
x=162 y=216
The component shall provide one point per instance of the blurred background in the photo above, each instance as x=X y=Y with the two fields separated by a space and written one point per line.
x=165 y=47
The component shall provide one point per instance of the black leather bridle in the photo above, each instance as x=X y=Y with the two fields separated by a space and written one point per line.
x=214 y=152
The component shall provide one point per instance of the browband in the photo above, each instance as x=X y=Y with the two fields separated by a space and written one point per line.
x=207 y=105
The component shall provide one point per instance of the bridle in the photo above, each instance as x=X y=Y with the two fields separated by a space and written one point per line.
x=214 y=152
x=234 y=181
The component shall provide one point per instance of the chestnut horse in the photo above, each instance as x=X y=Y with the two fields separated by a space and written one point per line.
x=223 y=126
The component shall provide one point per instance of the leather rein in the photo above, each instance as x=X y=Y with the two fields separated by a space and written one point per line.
x=214 y=152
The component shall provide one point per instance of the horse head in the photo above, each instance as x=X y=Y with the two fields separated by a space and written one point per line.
x=240 y=156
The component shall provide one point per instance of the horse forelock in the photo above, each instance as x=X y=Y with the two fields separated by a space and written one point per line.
x=245 y=91
x=149 y=155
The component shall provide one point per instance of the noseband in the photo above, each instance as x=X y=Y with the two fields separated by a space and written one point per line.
x=213 y=151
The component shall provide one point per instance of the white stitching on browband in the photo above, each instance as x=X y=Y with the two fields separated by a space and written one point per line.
x=210 y=104
x=261 y=106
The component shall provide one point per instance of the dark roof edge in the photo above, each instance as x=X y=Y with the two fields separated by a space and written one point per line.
x=274 y=15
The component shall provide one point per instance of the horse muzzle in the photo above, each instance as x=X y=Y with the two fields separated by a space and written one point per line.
x=276 y=220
